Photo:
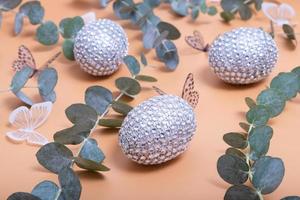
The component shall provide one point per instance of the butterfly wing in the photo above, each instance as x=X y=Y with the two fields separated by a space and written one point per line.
x=286 y=12
x=25 y=58
x=36 y=138
x=89 y=17
x=40 y=113
x=17 y=136
x=189 y=93
x=279 y=14
x=20 y=118
x=196 y=41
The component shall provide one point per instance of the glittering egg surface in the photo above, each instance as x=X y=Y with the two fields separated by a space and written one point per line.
x=243 y=55
x=100 y=46
x=157 y=130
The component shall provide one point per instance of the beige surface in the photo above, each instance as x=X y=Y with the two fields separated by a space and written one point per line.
x=193 y=175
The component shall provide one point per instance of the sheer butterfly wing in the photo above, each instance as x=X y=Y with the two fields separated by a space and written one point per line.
x=189 y=93
x=36 y=138
x=286 y=11
x=17 y=136
x=20 y=118
x=89 y=17
x=40 y=113
x=196 y=41
x=25 y=58
x=279 y=14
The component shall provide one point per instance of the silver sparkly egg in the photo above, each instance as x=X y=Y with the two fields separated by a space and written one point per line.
x=243 y=55
x=157 y=130
x=100 y=46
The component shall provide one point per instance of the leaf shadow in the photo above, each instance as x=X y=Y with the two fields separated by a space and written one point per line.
x=90 y=175
x=83 y=4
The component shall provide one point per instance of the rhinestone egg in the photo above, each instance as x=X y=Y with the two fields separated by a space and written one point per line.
x=243 y=55
x=100 y=46
x=157 y=130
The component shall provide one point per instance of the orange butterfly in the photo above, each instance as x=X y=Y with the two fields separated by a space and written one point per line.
x=189 y=93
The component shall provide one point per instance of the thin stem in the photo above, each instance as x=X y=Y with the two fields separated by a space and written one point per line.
x=58 y=194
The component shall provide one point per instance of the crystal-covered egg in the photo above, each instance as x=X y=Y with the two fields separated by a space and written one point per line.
x=157 y=130
x=100 y=46
x=243 y=55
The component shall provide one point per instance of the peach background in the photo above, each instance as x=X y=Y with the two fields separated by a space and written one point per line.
x=221 y=107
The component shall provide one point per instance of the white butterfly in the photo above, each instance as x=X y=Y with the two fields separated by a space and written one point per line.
x=89 y=17
x=279 y=14
x=27 y=120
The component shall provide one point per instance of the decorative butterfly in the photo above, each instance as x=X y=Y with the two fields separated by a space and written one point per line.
x=27 y=120
x=89 y=17
x=159 y=91
x=196 y=41
x=279 y=14
x=189 y=93
x=25 y=58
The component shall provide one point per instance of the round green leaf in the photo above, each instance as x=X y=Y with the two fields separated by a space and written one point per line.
x=268 y=174
x=132 y=64
x=227 y=16
x=233 y=169
x=69 y=27
x=47 y=80
x=259 y=141
x=7 y=5
x=241 y=192
x=91 y=151
x=173 y=32
x=289 y=31
x=124 y=9
x=18 y=25
x=258 y=115
x=20 y=79
x=90 y=165
x=34 y=11
x=166 y=51
x=46 y=190
x=145 y=78
x=47 y=33
x=121 y=107
x=245 y=12
x=22 y=196
x=236 y=140
x=231 y=6
x=128 y=86
x=235 y=152
x=74 y=135
x=68 y=47
x=54 y=156
x=272 y=100
x=70 y=184
x=212 y=10
x=180 y=7
x=98 y=98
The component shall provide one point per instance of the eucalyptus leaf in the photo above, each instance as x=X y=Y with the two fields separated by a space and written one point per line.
x=46 y=190
x=145 y=78
x=121 y=107
x=54 y=157
x=47 y=80
x=103 y=3
x=212 y=10
x=272 y=100
x=111 y=123
x=91 y=151
x=18 y=24
x=34 y=11
x=245 y=12
x=124 y=9
x=98 y=98
x=259 y=141
x=195 y=13
x=173 y=32
x=70 y=184
x=268 y=174
x=180 y=7
x=150 y=36
x=74 y=135
x=132 y=64
x=289 y=31
x=258 y=4
x=153 y=3
x=231 y=6
x=128 y=86
x=90 y=165
x=1 y=18
x=68 y=47
x=69 y=27
x=82 y=114
x=244 y=126
x=233 y=169
x=20 y=79
x=259 y=115
x=47 y=33
x=235 y=152
x=291 y=198
x=144 y=59
x=227 y=16
x=236 y=140
x=250 y=102
x=22 y=196
x=166 y=51
x=6 y=5
x=243 y=192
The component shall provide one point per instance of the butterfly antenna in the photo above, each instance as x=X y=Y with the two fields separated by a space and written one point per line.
x=52 y=59
x=159 y=91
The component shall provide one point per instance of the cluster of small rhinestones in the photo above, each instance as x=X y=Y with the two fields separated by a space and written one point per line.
x=243 y=55
x=157 y=130
x=100 y=46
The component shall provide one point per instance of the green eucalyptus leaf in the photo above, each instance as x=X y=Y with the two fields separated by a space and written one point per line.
x=150 y=36
x=244 y=126
x=47 y=80
x=259 y=115
x=289 y=31
x=258 y=4
x=153 y=3
x=241 y=192
x=91 y=151
x=54 y=156
x=195 y=13
x=235 y=152
x=231 y=6
x=245 y=12
x=103 y=3
x=173 y=32
x=24 y=98
x=227 y=16
x=69 y=27
x=233 y=169
x=212 y=10
x=46 y=190
x=47 y=33
x=144 y=59
x=82 y=114
x=18 y=24
x=68 y=47
x=259 y=141
x=291 y=198
x=111 y=123
x=268 y=173
x=180 y=7
x=132 y=64
x=74 y=135
x=145 y=78
x=90 y=165
x=272 y=100
x=22 y=196
x=20 y=79
x=250 y=102
x=124 y=9
x=34 y=11
x=98 y=98
x=296 y=70
x=121 y=107
x=70 y=184
x=287 y=84
x=236 y=140
x=128 y=86
x=6 y=5
x=166 y=51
